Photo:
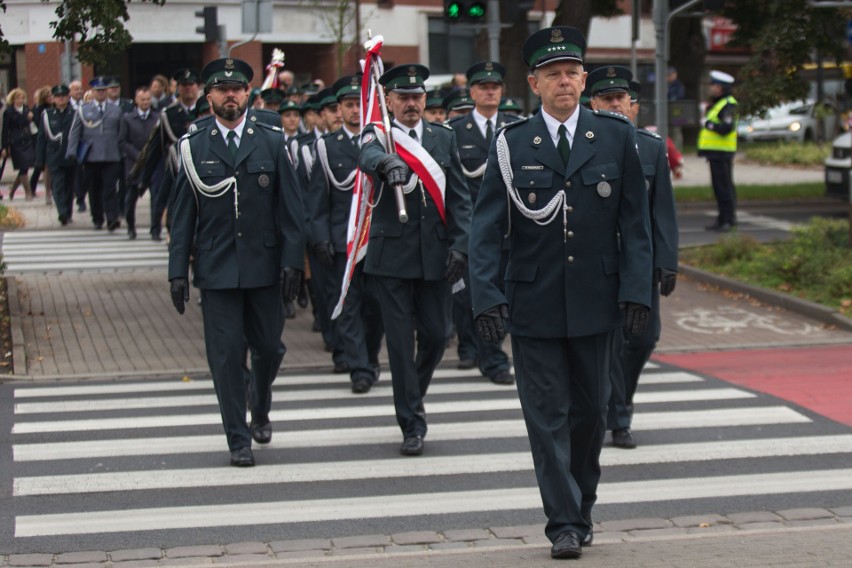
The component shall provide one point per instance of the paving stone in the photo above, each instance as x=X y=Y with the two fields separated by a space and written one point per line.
x=241 y=558
x=761 y=526
x=497 y=542
x=297 y=545
x=538 y=540
x=30 y=559
x=753 y=517
x=812 y=522
x=363 y=541
x=135 y=554
x=416 y=537
x=196 y=551
x=711 y=529
x=842 y=511
x=186 y=561
x=246 y=548
x=85 y=557
x=458 y=545
x=466 y=534
x=698 y=520
x=518 y=531
x=84 y=565
x=656 y=533
x=636 y=524
x=805 y=514
x=393 y=549
x=297 y=554
x=355 y=551
x=609 y=537
x=135 y=564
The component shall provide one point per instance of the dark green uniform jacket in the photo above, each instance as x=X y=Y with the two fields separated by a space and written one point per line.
x=51 y=153
x=473 y=149
x=658 y=181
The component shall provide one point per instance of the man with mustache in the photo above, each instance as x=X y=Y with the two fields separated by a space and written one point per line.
x=238 y=210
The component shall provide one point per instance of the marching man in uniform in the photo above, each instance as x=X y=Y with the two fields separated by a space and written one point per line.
x=238 y=211
x=565 y=187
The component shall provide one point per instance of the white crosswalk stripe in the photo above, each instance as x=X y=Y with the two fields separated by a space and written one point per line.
x=27 y=252
x=333 y=455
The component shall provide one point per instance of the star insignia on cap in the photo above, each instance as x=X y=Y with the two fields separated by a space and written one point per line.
x=556 y=36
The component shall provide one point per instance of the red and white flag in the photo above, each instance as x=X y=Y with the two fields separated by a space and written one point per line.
x=361 y=211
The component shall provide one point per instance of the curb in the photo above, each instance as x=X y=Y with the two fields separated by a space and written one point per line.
x=19 y=352
x=807 y=308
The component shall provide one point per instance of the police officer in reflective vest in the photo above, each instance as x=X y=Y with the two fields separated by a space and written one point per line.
x=717 y=142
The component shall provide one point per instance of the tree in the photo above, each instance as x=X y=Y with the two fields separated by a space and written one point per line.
x=96 y=26
x=579 y=14
x=783 y=35
x=340 y=20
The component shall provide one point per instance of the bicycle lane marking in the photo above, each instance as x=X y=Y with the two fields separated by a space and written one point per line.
x=728 y=319
x=816 y=378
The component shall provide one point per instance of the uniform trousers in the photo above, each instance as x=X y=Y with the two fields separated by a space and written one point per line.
x=101 y=180
x=62 y=186
x=722 y=178
x=414 y=312
x=359 y=326
x=232 y=318
x=564 y=386
x=630 y=353
x=323 y=278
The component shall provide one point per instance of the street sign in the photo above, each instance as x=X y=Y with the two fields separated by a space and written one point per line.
x=257 y=16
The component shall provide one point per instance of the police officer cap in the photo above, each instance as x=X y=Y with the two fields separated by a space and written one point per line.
x=326 y=98
x=348 y=86
x=202 y=106
x=112 y=81
x=485 y=72
x=560 y=43
x=509 y=105
x=610 y=79
x=227 y=71
x=289 y=105
x=309 y=88
x=253 y=94
x=408 y=78
x=294 y=90
x=272 y=96
x=60 y=91
x=635 y=91
x=434 y=99
x=99 y=82
x=721 y=78
x=458 y=99
x=311 y=103
x=185 y=76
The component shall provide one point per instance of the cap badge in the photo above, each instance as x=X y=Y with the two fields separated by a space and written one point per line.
x=354 y=82
x=556 y=36
x=610 y=72
x=489 y=66
x=229 y=63
x=412 y=71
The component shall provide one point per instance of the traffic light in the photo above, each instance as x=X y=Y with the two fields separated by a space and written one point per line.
x=470 y=11
x=210 y=29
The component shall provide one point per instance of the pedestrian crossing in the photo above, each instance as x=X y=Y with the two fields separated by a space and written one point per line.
x=50 y=252
x=99 y=462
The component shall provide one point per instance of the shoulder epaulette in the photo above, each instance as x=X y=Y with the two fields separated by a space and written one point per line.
x=269 y=126
x=447 y=126
x=194 y=129
x=455 y=118
x=513 y=124
x=609 y=114
x=649 y=133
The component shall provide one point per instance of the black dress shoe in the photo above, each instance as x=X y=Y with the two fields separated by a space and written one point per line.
x=589 y=538
x=412 y=446
x=566 y=545
x=724 y=228
x=113 y=225
x=242 y=458
x=289 y=310
x=261 y=431
x=623 y=438
x=99 y=226
x=341 y=368
x=156 y=237
x=81 y=208
x=131 y=234
x=467 y=363
x=503 y=377
x=361 y=385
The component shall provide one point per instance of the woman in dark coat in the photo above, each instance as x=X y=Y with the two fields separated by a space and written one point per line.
x=43 y=101
x=17 y=139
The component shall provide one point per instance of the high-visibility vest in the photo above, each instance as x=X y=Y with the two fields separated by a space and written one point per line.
x=711 y=140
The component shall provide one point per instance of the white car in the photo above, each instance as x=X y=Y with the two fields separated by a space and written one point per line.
x=792 y=122
x=837 y=167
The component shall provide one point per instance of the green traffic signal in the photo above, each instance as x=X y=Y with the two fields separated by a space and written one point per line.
x=453 y=10
x=476 y=10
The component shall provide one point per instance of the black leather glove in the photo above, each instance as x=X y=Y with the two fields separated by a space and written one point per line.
x=291 y=281
x=489 y=324
x=179 y=289
x=668 y=279
x=456 y=265
x=392 y=170
x=635 y=318
x=324 y=252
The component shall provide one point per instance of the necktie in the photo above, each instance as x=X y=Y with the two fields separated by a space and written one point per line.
x=413 y=133
x=489 y=131
x=101 y=109
x=355 y=142
x=562 y=146
x=232 y=143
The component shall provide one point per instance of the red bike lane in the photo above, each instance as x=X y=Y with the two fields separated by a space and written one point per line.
x=816 y=378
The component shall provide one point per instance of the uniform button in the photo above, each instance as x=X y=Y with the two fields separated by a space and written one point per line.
x=568 y=184
x=570 y=234
x=570 y=209
x=239 y=234
x=570 y=259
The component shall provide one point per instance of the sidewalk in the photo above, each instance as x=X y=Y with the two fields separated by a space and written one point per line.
x=697 y=172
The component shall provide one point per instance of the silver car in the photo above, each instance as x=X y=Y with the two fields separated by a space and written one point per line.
x=792 y=122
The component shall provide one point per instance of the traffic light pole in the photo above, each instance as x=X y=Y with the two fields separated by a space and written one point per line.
x=494 y=30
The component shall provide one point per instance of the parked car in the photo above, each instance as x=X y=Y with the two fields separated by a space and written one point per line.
x=838 y=166
x=792 y=122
